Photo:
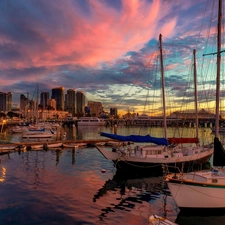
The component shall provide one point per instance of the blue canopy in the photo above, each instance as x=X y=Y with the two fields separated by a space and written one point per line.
x=137 y=138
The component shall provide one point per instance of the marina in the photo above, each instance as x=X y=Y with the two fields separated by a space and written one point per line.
x=79 y=186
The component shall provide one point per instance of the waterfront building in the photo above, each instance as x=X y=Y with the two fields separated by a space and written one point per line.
x=44 y=99
x=113 y=112
x=80 y=97
x=24 y=104
x=5 y=101
x=202 y=114
x=53 y=114
x=95 y=108
x=70 y=102
x=52 y=104
x=58 y=95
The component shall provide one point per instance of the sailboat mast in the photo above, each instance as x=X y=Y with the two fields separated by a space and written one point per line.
x=163 y=85
x=218 y=70
x=196 y=93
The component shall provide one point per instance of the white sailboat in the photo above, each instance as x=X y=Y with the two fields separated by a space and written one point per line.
x=204 y=189
x=182 y=152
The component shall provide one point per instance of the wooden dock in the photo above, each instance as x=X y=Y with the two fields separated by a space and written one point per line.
x=6 y=148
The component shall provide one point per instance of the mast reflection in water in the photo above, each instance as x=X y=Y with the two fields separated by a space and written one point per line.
x=68 y=187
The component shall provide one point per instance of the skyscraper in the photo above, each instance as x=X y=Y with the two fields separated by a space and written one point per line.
x=5 y=101
x=95 y=108
x=80 y=103
x=70 y=102
x=58 y=95
x=44 y=99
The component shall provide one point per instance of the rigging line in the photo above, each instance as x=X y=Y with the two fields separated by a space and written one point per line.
x=135 y=82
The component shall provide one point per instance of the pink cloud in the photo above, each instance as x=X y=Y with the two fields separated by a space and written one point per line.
x=105 y=36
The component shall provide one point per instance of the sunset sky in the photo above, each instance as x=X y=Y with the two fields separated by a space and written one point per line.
x=106 y=48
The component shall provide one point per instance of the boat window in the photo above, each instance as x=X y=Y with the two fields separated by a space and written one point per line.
x=214 y=181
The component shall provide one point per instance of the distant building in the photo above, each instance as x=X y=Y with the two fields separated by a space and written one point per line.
x=5 y=101
x=95 y=108
x=44 y=99
x=52 y=103
x=80 y=97
x=53 y=114
x=71 y=102
x=113 y=112
x=191 y=115
x=23 y=104
x=58 y=95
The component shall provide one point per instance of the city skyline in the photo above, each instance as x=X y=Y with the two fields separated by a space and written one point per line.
x=107 y=49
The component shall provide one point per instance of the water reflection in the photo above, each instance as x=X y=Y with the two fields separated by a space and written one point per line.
x=205 y=217
x=141 y=195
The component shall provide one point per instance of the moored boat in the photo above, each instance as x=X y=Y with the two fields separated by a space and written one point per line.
x=204 y=189
x=90 y=121
x=70 y=145
x=183 y=152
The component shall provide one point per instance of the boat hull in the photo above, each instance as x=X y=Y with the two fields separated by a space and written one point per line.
x=156 y=164
x=198 y=196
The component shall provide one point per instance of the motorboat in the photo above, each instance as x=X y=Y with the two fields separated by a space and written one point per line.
x=39 y=134
x=90 y=121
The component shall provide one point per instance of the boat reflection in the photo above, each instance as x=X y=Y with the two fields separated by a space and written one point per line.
x=138 y=195
x=196 y=217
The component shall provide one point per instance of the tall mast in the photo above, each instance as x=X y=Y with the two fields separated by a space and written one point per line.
x=196 y=93
x=218 y=70
x=163 y=85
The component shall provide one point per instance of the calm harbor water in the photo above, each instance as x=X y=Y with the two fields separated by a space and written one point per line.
x=68 y=187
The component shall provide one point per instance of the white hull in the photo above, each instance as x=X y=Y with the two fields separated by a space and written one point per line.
x=6 y=148
x=70 y=145
x=37 y=136
x=90 y=121
x=203 y=189
x=54 y=145
x=157 y=220
x=153 y=159
x=37 y=147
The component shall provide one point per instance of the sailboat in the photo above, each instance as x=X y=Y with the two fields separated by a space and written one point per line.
x=178 y=152
x=204 y=190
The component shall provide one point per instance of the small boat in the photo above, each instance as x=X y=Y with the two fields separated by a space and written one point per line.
x=55 y=145
x=70 y=145
x=18 y=129
x=37 y=147
x=90 y=121
x=158 y=220
x=7 y=148
x=42 y=134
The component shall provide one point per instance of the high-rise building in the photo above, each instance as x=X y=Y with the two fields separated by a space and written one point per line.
x=95 y=108
x=23 y=102
x=70 y=102
x=58 y=95
x=80 y=103
x=113 y=111
x=52 y=103
x=44 y=99
x=5 y=101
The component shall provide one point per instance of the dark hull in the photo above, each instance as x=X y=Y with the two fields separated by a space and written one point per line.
x=160 y=169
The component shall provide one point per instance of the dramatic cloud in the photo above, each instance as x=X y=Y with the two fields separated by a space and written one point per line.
x=99 y=47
